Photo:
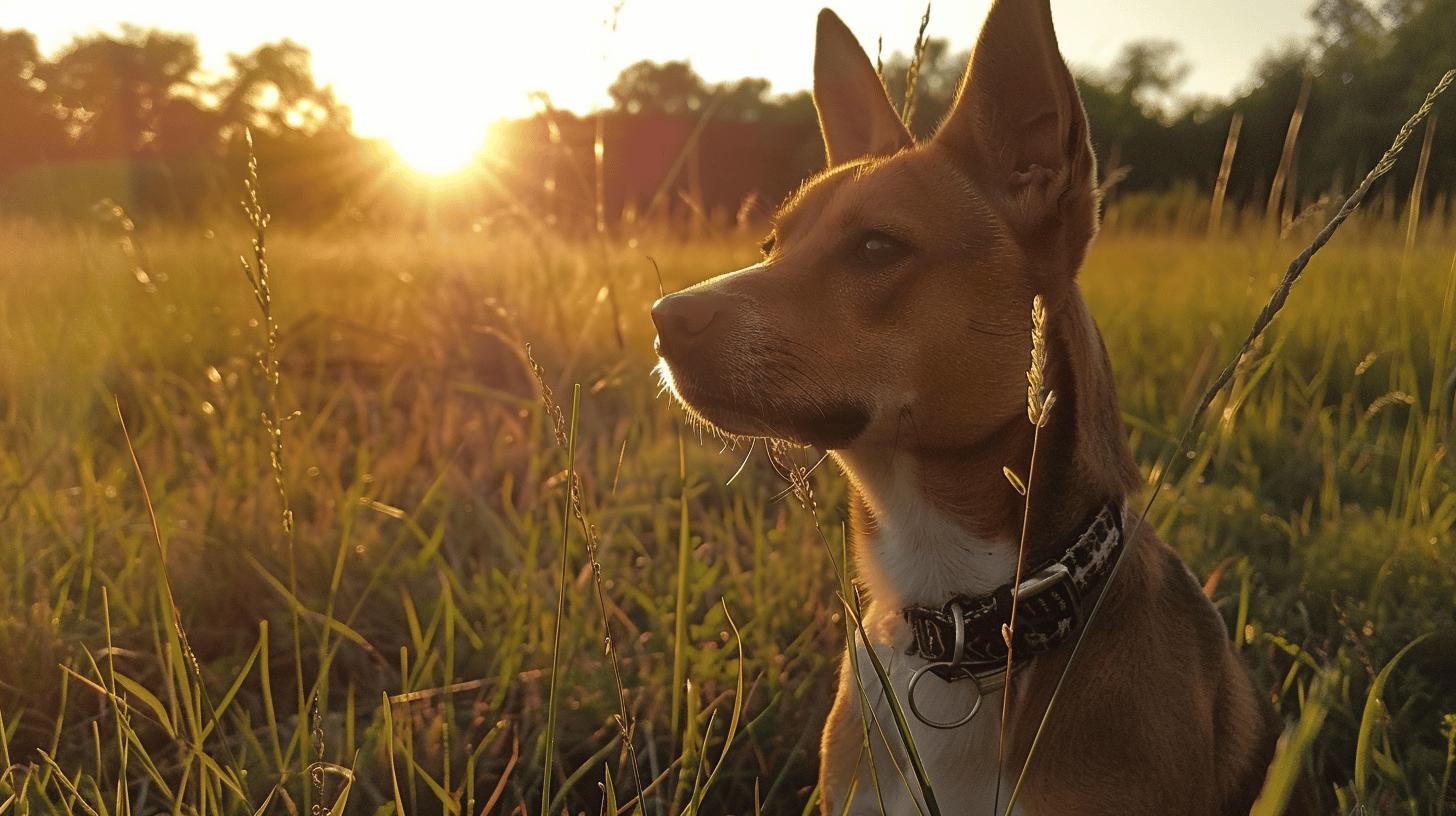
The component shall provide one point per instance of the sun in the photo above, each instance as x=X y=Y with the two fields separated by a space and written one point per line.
x=435 y=146
x=435 y=106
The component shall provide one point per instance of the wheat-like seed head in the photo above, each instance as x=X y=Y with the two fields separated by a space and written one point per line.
x=1039 y=400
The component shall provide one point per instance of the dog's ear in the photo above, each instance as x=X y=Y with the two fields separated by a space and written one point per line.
x=1018 y=126
x=855 y=114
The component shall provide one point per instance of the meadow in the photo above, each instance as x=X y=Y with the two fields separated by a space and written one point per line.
x=179 y=648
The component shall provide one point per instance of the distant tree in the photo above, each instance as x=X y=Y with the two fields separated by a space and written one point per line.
x=793 y=108
x=30 y=129
x=743 y=101
x=647 y=87
x=114 y=89
x=1349 y=25
x=1135 y=126
x=273 y=89
x=129 y=115
x=675 y=89
x=1373 y=64
x=150 y=128
x=1146 y=73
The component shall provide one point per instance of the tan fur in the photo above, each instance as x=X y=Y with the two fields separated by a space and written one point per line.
x=909 y=364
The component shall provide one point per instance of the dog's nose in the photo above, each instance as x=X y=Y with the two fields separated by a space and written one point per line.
x=684 y=316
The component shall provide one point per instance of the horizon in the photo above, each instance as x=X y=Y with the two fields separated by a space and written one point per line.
x=451 y=119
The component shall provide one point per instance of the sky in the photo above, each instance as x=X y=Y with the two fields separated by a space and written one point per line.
x=436 y=73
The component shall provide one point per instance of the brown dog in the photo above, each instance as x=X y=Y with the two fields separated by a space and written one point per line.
x=889 y=323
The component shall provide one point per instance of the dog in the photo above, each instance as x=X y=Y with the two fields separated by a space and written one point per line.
x=889 y=323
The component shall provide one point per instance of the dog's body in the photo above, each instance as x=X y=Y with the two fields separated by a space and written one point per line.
x=889 y=323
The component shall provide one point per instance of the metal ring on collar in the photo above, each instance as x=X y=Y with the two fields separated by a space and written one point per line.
x=944 y=726
x=957 y=654
x=958 y=649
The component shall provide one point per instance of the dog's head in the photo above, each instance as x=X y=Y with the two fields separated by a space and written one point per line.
x=895 y=289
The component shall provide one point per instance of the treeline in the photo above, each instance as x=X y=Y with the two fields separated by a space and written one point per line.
x=131 y=118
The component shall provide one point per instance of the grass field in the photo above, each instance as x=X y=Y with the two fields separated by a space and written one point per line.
x=394 y=653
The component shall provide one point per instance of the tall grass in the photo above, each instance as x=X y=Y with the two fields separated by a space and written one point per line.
x=1225 y=167
x=429 y=503
x=1280 y=195
x=428 y=485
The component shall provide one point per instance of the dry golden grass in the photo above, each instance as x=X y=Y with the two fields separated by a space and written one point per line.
x=432 y=509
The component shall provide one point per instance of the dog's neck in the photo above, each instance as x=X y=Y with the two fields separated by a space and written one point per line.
x=936 y=522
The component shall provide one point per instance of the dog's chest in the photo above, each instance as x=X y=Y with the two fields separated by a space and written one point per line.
x=913 y=553
x=960 y=762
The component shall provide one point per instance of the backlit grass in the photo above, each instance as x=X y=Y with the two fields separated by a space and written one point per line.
x=429 y=496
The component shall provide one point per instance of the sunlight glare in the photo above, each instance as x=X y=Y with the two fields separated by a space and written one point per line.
x=435 y=145
x=452 y=73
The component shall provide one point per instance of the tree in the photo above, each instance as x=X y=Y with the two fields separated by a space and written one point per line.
x=671 y=88
x=675 y=89
x=30 y=129
x=743 y=101
x=114 y=89
x=273 y=89
x=1146 y=73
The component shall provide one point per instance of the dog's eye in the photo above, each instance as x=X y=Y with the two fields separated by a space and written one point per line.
x=876 y=249
x=768 y=244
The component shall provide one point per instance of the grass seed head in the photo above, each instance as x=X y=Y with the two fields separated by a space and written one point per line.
x=1039 y=399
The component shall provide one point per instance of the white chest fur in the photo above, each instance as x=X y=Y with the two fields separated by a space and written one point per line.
x=917 y=555
x=960 y=762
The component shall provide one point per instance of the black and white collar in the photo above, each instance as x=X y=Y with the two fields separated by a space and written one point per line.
x=963 y=638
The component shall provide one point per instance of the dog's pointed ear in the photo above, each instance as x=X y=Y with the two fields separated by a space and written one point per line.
x=855 y=114
x=1018 y=126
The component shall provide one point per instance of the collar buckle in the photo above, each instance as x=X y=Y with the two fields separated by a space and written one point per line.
x=1048 y=608
x=1044 y=579
x=966 y=637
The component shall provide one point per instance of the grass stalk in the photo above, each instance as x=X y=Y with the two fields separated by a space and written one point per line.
x=866 y=709
x=912 y=73
x=1418 y=188
x=259 y=276
x=689 y=148
x=599 y=208
x=1448 y=730
x=902 y=724
x=802 y=489
x=189 y=658
x=1373 y=712
x=700 y=792
x=1286 y=157
x=680 y=595
x=554 y=687
x=1225 y=168
x=1039 y=401
x=624 y=721
x=1285 y=770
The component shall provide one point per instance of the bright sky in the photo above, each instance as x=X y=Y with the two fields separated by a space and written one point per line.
x=436 y=73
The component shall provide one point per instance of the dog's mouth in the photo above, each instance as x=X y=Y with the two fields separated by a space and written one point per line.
x=740 y=412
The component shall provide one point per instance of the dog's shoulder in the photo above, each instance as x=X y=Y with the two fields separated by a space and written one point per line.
x=1245 y=725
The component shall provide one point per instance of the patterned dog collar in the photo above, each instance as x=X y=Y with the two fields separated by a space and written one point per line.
x=963 y=639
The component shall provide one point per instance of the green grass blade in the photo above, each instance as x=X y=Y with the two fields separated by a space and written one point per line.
x=560 y=602
x=733 y=719
x=1287 y=766
x=902 y=725
x=1374 y=706
x=680 y=603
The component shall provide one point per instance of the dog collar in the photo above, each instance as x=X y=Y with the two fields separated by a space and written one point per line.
x=963 y=639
